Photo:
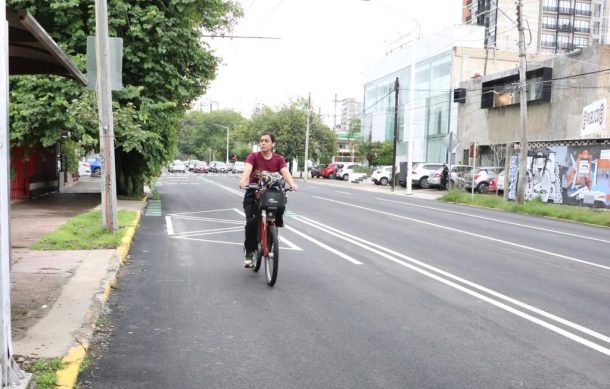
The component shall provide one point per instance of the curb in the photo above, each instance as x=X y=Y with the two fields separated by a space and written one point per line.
x=66 y=377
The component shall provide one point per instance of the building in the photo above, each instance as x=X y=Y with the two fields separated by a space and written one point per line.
x=203 y=104
x=555 y=26
x=350 y=110
x=567 y=126
x=442 y=60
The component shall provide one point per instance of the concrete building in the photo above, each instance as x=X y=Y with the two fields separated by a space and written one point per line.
x=350 y=109
x=567 y=108
x=442 y=60
x=555 y=26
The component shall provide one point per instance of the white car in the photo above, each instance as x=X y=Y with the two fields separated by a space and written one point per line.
x=84 y=168
x=178 y=166
x=238 y=167
x=381 y=176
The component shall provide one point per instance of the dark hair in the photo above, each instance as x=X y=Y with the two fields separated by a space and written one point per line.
x=270 y=136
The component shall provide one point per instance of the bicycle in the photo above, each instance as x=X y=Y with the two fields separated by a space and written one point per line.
x=270 y=199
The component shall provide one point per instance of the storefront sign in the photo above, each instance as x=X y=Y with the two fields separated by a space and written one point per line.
x=593 y=123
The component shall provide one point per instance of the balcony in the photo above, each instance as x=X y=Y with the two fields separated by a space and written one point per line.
x=549 y=9
x=547 y=44
x=567 y=46
x=585 y=30
x=583 y=12
x=552 y=26
x=563 y=10
x=566 y=28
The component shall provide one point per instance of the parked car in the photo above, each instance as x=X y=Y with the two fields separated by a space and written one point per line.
x=456 y=174
x=201 y=167
x=420 y=173
x=316 y=171
x=238 y=167
x=497 y=183
x=95 y=163
x=331 y=170
x=435 y=179
x=344 y=172
x=381 y=175
x=178 y=166
x=84 y=169
x=218 y=167
x=481 y=177
x=191 y=164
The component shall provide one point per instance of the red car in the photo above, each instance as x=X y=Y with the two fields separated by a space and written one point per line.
x=331 y=170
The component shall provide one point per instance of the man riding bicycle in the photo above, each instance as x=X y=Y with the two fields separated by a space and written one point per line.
x=263 y=160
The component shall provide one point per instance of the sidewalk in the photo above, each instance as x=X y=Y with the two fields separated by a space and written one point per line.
x=56 y=296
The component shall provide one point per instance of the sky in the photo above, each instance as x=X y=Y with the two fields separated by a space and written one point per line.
x=324 y=48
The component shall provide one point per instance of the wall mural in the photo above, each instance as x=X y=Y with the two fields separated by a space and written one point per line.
x=574 y=175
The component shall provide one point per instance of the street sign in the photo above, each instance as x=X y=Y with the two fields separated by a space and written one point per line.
x=451 y=141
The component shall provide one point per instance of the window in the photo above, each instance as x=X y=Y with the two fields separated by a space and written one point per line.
x=548 y=40
x=564 y=23
x=583 y=8
x=582 y=25
x=549 y=22
x=581 y=42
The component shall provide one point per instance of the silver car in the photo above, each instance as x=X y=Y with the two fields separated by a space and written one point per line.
x=480 y=177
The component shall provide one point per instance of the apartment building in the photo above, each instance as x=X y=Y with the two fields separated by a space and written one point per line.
x=553 y=26
x=350 y=109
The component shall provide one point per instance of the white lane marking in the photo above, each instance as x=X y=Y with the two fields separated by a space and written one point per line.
x=191 y=212
x=207 y=219
x=496 y=220
x=290 y=244
x=170 y=226
x=472 y=234
x=338 y=191
x=209 y=232
x=370 y=246
x=207 y=240
x=332 y=250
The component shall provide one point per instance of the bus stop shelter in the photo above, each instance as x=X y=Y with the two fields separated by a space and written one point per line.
x=25 y=48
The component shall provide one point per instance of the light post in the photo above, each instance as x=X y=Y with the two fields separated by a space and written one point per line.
x=227 y=128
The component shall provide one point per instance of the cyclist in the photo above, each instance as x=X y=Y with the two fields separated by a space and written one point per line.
x=263 y=160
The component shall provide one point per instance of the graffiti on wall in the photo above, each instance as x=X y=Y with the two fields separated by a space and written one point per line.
x=575 y=175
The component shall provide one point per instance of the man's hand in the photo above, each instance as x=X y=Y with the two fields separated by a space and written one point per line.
x=243 y=184
x=294 y=186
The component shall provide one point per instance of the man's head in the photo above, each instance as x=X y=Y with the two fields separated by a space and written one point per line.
x=267 y=141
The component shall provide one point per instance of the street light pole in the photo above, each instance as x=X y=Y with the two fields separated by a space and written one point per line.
x=307 y=135
x=412 y=108
x=227 y=128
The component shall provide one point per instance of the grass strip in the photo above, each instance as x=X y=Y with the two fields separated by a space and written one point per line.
x=43 y=372
x=588 y=215
x=85 y=232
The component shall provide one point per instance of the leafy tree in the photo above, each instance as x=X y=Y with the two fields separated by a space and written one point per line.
x=199 y=136
x=289 y=124
x=165 y=67
x=376 y=153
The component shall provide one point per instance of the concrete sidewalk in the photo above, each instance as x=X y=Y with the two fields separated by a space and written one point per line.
x=56 y=296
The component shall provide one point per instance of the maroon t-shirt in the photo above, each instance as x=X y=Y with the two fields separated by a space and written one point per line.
x=260 y=164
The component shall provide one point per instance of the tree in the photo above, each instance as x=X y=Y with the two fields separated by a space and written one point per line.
x=165 y=67
x=199 y=137
x=289 y=123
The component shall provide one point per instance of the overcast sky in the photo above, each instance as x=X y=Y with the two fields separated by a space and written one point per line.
x=324 y=47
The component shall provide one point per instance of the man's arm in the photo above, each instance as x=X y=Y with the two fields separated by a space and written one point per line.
x=288 y=177
x=244 y=180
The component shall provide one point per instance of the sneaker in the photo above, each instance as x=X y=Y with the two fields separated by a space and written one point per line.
x=248 y=262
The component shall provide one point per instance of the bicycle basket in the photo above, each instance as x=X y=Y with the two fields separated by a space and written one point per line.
x=272 y=199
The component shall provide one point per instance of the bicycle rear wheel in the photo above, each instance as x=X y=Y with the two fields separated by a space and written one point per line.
x=271 y=260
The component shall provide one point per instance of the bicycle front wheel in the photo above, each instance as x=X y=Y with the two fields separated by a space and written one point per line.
x=272 y=260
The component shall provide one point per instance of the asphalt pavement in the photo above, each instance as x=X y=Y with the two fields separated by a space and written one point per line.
x=375 y=290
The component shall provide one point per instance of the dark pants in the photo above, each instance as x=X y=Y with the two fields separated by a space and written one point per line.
x=252 y=213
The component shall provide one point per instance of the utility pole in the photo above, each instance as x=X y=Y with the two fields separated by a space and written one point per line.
x=104 y=91
x=307 y=134
x=396 y=86
x=522 y=182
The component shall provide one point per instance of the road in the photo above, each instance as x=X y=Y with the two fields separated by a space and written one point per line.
x=374 y=291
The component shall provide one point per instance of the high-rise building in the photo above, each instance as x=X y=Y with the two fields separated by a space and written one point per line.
x=350 y=109
x=552 y=26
